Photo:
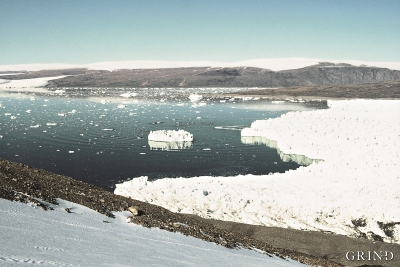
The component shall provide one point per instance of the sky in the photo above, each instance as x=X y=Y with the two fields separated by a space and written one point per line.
x=83 y=32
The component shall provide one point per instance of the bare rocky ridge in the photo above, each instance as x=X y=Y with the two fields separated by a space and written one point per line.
x=20 y=182
x=380 y=90
x=324 y=73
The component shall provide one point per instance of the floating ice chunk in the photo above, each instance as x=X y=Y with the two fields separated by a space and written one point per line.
x=1 y=136
x=195 y=97
x=167 y=146
x=121 y=106
x=51 y=123
x=7 y=114
x=206 y=149
x=35 y=126
x=127 y=95
x=170 y=135
x=28 y=111
x=107 y=129
x=61 y=114
x=71 y=152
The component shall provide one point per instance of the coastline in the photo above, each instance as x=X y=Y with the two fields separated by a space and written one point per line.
x=309 y=247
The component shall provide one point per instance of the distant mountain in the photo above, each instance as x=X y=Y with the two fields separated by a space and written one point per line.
x=324 y=73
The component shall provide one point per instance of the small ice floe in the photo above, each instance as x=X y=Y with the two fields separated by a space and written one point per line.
x=7 y=114
x=170 y=135
x=28 y=111
x=198 y=118
x=46 y=100
x=59 y=91
x=51 y=123
x=72 y=111
x=71 y=152
x=206 y=149
x=1 y=136
x=277 y=102
x=195 y=97
x=35 y=126
x=127 y=95
x=121 y=106
x=142 y=153
x=108 y=129
x=61 y=114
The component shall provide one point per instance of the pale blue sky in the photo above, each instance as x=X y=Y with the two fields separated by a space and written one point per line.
x=85 y=31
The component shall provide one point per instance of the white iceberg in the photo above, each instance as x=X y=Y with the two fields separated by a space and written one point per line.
x=195 y=97
x=169 y=145
x=170 y=136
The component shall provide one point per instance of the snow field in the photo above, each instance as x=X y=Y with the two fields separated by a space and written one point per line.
x=36 y=82
x=87 y=238
x=357 y=140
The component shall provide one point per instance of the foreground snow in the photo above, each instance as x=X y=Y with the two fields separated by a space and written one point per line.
x=358 y=179
x=32 y=236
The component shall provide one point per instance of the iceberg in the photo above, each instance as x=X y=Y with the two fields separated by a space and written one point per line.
x=195 y=97
x=169 y=145
x=170 y=136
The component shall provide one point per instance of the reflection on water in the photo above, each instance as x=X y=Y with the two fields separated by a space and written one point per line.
x=170 y=145
x=260 y=140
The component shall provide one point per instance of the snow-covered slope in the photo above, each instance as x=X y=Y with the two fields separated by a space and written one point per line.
x=31 y=236
x=36 y=82
x=353 y=191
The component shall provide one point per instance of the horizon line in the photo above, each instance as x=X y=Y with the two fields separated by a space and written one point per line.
x=274 y=64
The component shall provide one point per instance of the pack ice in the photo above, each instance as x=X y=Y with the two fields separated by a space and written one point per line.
x=353 y=191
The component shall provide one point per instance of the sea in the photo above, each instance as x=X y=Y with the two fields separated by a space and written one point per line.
x=104 y=141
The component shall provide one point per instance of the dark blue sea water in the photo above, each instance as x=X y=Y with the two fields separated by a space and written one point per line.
x=103 y=144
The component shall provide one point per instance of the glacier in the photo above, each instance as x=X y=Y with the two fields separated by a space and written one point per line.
x=357 y=178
